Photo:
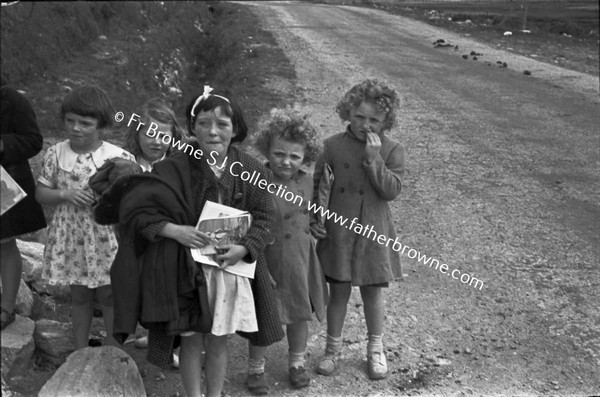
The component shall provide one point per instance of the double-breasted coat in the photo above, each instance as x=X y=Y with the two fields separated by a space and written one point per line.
x=292 y=257
x=360 y=197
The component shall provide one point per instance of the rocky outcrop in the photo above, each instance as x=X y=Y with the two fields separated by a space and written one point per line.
x=24 y=303
x=32 y=255
x=96 y=371
x=17 y=347
x=54 y=340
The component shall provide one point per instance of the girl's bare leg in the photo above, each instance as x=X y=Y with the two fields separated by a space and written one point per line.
x=297 y=334
x=339 y=295
x=11 y=274
x=82 y=311
x=336 y=310
x=190 y=365
x=374 y=309
x=104 y=296
x=216 y=364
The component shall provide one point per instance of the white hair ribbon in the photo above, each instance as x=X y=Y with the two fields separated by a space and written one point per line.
x=207 y=92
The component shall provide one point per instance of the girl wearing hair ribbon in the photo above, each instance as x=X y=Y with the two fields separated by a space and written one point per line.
x=196 y=305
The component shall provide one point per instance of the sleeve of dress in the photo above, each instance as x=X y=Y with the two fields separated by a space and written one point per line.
x=386 y=175
x=23 y=140
x=262 y=208
x=48 y=173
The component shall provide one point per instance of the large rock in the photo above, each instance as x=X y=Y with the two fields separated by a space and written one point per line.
x=32 y=255
x=17 y=347
x=24 y=303
x=54 y=339
x=6 y=390
x=96 y=371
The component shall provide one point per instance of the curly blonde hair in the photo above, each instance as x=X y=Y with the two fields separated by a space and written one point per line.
x=289 y=124
x=373 y=91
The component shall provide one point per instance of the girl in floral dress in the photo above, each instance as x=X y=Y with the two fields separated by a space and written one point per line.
x=79 y=252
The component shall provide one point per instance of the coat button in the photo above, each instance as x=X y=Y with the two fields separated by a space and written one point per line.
x=342 y=190
x=346 y=165
x=288 y=236
x=360 y=192
x=287 y=216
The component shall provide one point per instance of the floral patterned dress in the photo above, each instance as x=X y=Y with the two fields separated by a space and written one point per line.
x=78 y=250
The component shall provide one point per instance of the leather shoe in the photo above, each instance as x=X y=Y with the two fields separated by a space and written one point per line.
x=377 y=364
x=299 y=377
x=257 y=384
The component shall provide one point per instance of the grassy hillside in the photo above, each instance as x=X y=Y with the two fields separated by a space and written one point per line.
x=135 y=51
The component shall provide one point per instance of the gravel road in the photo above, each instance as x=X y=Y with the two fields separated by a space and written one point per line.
x=502 y=185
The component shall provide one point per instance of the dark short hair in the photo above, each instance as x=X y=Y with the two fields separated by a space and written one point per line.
x=155 y=109
x=89 y=101
x=231 y=109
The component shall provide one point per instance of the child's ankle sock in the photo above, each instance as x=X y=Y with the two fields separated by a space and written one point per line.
x=296 y=359
x=375 y=343
x=334 y=344
x=256 y=366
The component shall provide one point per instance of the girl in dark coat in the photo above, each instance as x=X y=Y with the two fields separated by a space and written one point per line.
x=20 y=140
x=157 y=217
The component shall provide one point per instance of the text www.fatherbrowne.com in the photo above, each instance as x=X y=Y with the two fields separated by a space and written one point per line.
x=237 y=169
x=368 y=232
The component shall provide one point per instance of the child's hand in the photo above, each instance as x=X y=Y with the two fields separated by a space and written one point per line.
x=233 y=254
x=190 y=237
x=78 y=197
x=372 y=146
x=318 y=231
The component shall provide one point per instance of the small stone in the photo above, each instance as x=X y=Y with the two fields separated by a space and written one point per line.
x=465 y=56
x=467 y=351
x=527 y=73
x=456 y=351
x=443 y=362
x=161 y=376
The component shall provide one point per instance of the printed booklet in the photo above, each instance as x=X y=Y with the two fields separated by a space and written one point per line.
x=11 y=192
x=225 y=225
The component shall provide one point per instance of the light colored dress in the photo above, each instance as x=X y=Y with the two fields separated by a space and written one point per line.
x=78 y=250
x=230 y=299
x=231 y=302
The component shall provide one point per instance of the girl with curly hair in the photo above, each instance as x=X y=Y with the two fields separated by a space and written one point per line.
x=289 y=141
x=368 y=168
